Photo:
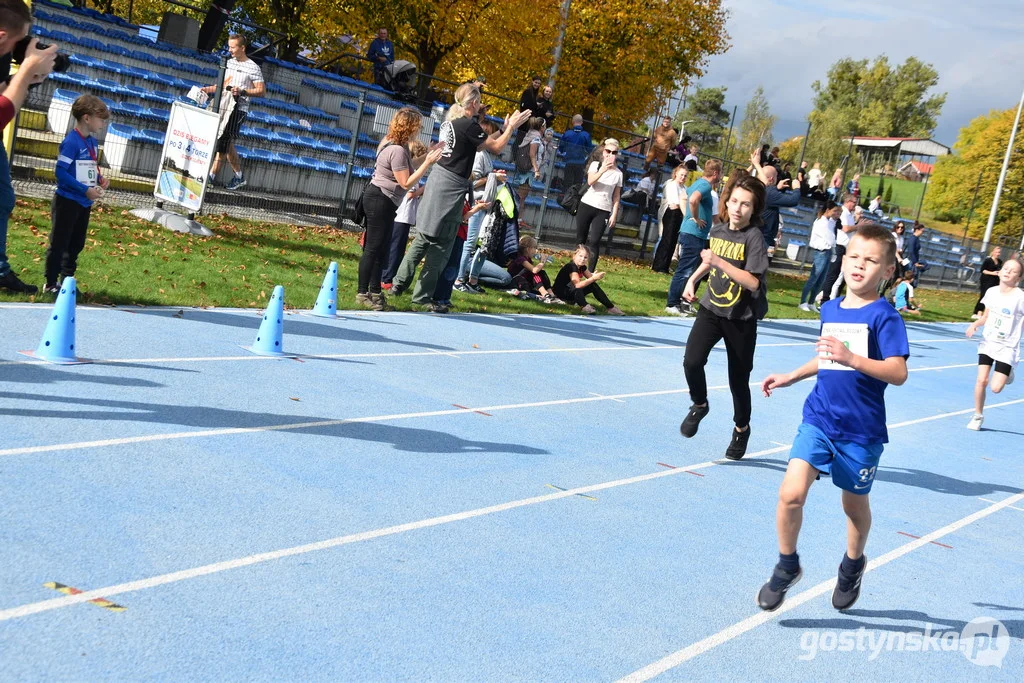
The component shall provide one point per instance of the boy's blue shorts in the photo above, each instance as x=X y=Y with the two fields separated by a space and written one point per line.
x=852 y=465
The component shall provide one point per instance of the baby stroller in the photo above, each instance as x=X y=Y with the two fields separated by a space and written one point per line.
x=400 y=78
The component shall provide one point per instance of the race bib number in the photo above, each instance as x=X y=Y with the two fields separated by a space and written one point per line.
x=86 y=172
x=853 y=335
x=1001 y=322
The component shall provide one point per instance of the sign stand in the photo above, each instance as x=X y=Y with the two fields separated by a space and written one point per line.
x=185 y=161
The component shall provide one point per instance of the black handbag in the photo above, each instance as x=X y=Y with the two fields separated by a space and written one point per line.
x=572 y=196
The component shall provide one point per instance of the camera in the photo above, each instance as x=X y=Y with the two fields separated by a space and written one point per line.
x=60 y=62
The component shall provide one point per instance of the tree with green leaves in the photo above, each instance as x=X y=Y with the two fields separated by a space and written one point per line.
x=758 y=122
x=874 y=99
x=709 y=121
x=979 y=149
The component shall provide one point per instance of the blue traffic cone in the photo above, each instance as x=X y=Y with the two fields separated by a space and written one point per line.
x=327 y=301
x=58 y=342
x=269 y=338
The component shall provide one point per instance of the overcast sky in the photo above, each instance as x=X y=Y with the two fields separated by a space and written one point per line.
x=785 y=45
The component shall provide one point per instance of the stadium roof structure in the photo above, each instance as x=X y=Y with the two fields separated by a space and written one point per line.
x=912 y=146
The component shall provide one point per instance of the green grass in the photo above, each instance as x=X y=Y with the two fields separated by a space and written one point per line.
x=128 y=261
x=905 y=193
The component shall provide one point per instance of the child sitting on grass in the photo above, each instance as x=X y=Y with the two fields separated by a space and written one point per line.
x=529 y=277
x=79 y=184
x=903 y=297
x=575 y=281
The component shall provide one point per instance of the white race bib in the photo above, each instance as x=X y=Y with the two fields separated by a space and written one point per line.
x=86 y=172
x=853 y=335
x=999 y=323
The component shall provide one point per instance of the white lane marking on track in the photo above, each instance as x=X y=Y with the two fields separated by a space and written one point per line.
x=1009 y=506
x=739 y=628
x=617 y=400
x=56 y=603
x=225 y=431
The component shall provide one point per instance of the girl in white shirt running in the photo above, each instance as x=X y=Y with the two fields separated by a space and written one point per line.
x=999 y=350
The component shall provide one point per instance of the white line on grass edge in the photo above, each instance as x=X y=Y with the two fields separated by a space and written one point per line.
x=259 y=558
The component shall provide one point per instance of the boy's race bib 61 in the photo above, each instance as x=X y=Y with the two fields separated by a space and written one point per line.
x=86 y=172
x=853 y=335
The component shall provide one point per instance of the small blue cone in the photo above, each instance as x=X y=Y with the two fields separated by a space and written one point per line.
x=269 y=338
x=327 y=301
x=58 y=342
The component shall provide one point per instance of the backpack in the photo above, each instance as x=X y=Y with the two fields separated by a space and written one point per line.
x=522 y=158
x=499 y=234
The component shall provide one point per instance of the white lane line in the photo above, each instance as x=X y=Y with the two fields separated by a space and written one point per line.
x=432 y=352
x=739 y=628
x=225 y=431
x=603 y=396
x=993 y=501
x=56 y=603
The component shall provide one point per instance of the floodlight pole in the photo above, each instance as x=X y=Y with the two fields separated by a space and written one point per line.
x=1002 y=178
x=563 y=23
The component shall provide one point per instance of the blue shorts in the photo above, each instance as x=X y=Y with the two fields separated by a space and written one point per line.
x=852 y=465
x=522 y=178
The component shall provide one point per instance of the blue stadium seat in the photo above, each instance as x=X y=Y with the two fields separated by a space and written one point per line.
x=151 y=136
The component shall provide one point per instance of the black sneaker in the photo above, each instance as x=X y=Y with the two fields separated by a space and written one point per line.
x=12 y=283
x=847 y=588
x=52 y=290
x=771 y=595
x=438 y=308
x=689 y=426
x=477 y=288
x=738 y=446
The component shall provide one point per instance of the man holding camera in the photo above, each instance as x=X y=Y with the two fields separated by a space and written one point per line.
x=15 y=22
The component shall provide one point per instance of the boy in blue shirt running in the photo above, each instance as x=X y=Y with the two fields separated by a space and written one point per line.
x=79 y=184
x=862 y=348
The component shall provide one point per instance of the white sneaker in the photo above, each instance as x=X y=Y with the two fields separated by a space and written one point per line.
x=975 y=423
x=1009 y=378
x=806 y=307
x=673 y=310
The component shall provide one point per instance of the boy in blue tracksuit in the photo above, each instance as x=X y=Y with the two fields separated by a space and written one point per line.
x=79 y=184
x=862 y=348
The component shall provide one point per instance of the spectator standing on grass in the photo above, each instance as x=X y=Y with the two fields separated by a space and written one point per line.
x=845 y=230
x=15 y=21
x=693 y=235
x=393 y=177
x=405 y=218
x=673 y=196
x=989 y=278
x=466 y=280
x=79 y=184
x=599 y=206
x=822 y=239
x=576 y=145
x=382 y=54
x=440 y=212
x=243 y=80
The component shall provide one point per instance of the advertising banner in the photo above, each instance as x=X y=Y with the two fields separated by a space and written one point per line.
x=187 y=155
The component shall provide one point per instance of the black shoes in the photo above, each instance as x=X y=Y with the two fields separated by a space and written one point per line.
x=689 y=426
x=12 y=283
x=771 y=595
x=847 y=588
x=738 y=446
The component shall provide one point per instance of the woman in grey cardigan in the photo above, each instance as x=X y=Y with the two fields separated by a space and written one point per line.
x=440 y=210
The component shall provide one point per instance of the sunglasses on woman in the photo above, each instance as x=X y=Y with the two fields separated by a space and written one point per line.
x=612 y=151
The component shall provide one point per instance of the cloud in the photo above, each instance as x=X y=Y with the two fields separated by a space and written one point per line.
x=785 y=45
